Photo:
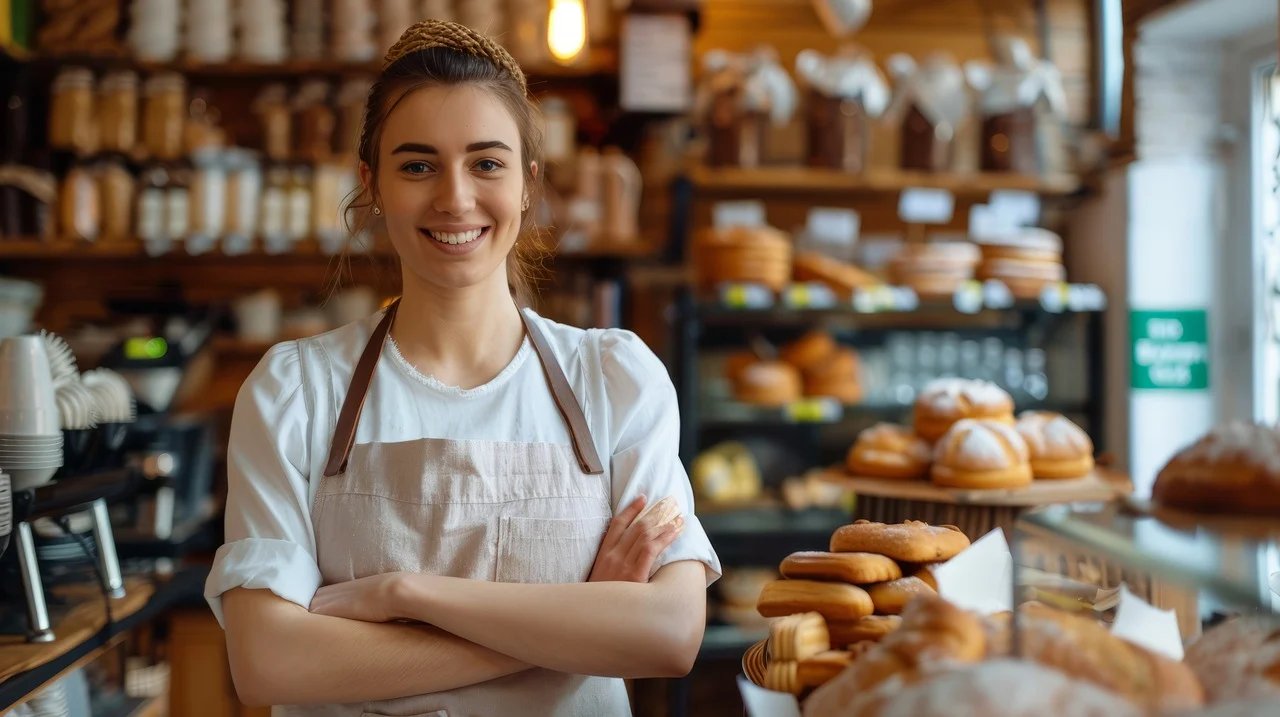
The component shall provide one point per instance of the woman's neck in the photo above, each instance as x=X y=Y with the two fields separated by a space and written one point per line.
x=462 y=337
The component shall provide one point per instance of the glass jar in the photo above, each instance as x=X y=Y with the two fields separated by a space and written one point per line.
x=115 y=187
x=177 y=202
x=273 y=217
x=71 y=113
x=150 y=214
x=299 y=203
x=164 y=119
x=80 y=214
x=272 y=106
x=118 y=112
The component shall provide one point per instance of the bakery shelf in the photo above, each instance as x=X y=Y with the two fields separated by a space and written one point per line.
x=797 y=179
x=1099 y=486
x=826 y=411
x=766 y=536
x=1231 y=569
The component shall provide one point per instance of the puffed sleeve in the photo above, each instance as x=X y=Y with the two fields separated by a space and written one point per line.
x=269 y=539
x=645 y=436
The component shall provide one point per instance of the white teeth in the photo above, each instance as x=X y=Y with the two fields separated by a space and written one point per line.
x=456 y=238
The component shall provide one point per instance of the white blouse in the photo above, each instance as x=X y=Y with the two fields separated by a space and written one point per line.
x=286 y=410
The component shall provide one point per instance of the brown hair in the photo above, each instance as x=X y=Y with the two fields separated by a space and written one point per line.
x=444 y=54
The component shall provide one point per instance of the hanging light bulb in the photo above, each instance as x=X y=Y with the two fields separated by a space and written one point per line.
x=566 y=30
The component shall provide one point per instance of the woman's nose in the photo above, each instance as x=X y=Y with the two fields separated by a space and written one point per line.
x=455 y=194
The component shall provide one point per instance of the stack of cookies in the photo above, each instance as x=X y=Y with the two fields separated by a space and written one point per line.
x=855 y=591
x=756 y=255
x=965 y=435
x=1025 y=262
x=934 y=269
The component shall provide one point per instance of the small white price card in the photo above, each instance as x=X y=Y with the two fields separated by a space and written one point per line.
x=995 y=295
x=237 y=244
x=746 y=296
x=199 y=245
x=1053 y=298
x=833 y=226
x=748 y=213
x=926 y=206
x=813 y=410
x=968 y=298
x=1016 y=208
x=809 y=295
x=158 y=246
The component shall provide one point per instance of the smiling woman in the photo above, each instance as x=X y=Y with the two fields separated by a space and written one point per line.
x=460 y=529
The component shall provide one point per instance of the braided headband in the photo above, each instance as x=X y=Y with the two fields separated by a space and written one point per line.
x=437 y=33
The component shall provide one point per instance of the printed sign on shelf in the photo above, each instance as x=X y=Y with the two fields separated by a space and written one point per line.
x=1170 y=349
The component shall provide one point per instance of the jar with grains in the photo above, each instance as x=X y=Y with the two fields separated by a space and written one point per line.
x=80 y=208
x=273 y=215
x=118 y=112
x=164 y=119
x=115 y=187
x=299 y=203
x=201 y=132
x=177 y=202
x=272 y=105
x=71 y=112
x=244 y=187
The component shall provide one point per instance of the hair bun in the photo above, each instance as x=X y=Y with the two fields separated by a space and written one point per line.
x=453 y=36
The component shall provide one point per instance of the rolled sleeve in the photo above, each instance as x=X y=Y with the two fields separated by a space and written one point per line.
x=645 y=435
x=270 y=543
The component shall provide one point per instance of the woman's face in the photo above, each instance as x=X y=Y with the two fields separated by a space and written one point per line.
x=450 y=185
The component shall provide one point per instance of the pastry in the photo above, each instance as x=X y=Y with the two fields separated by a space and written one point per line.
x=780 y=676
x=797 y=636
x=743 y=254
x=1024 y=279
x=890 y=597
x=837 y=376
x=871 y=628
x=1029 y=244
x=842 y=278
x=934 y=635
x=997 y=688
x=768 y=383
x=1058 y=447
x=736 y=362
x=1085 y=649
x=856 y=568
x=926 y=575
x=1232 y=469
x=809 y=351
x=944 y=401
x=981 y=453
x=835 y=601
x=887 y=450
x=909 y=542
x=1238 y=659
x=820 y=668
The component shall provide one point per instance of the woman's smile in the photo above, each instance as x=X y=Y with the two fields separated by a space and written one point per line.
x=456 y=240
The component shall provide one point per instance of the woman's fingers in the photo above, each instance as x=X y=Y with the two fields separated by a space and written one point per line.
x=651 y=542
x=623 y=520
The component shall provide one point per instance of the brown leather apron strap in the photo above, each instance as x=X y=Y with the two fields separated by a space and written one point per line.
x=344 y=433
x=566 y=401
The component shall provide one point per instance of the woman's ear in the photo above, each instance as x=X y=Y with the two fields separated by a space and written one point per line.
x=533 y=170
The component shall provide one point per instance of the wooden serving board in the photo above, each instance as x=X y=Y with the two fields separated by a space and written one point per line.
x=1100 y=486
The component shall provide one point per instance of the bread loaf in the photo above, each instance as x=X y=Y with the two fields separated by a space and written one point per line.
x=1232 y=469
x=1238 y=659
x=981 y=453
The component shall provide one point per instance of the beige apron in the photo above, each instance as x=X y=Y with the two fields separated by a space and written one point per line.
x=485 y=510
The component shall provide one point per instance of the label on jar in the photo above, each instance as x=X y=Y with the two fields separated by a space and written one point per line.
x=299 y=219
x=151 y=224
x=177 y=212
x=273 y=213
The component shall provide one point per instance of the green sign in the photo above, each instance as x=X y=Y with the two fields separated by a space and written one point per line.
x=1170 y=350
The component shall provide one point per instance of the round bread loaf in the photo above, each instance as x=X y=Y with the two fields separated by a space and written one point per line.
x=944 y=401
x=768 y=383
x=1059 y=448
x=1233 y=469
x=887 y=450
x=981 y=453
x=1239 y=659
x=809 y=351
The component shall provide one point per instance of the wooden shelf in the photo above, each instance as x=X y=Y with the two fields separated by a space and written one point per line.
x=134 y=249
x=602 y=61
x=807 y=179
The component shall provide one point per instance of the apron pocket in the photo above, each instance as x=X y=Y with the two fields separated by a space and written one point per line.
x=542 y=550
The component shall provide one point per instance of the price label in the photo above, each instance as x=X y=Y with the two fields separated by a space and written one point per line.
x=811 y=295
x=1016 y=208
x=834 y=226
x=905 y=298
x=813 y=410
x=873 y=300
x=746 y=296
x=198 y=245
x=1053 y=298
x=237 y=244
x=995 y=295
x=926 y=206
x=1086 y=297
x=968 y=297
x=738 y=214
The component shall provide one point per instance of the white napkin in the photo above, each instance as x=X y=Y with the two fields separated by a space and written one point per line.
x=980 y=578
x=1138 y=622
x=767 y=703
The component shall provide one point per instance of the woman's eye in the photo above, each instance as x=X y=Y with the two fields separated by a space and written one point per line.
x=416 y=167
x=488 y=165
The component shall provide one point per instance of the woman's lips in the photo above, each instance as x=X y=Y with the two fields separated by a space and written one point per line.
x=456 y=242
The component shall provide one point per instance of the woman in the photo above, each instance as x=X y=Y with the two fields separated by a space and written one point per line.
x=416 y=499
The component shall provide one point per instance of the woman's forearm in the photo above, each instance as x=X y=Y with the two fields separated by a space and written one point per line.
x=613 y=629
x=281 y=654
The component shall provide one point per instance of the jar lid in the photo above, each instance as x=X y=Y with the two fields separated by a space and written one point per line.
x=119 y=80
x=72 y=78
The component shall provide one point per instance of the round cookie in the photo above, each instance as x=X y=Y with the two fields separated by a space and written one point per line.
x=886 y=450
x=855 y=568
x=1059 y=448
x=908 y=542
x=944 y=401
x=981 y=454
x=890 y=597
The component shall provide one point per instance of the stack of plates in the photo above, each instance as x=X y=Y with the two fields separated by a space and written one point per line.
x=30 y=426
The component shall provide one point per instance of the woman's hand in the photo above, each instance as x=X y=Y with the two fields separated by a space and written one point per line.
x=368 y=599
x=631 y=546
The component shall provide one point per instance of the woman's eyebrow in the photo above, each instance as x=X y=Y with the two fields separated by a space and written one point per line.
x=419 y=148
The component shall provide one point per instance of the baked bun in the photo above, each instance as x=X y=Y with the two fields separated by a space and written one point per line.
x=1086 y=649
x=737 y=362
x=944 y=401
x=838 y=376
x=981 y=454
x=871 y=628
x=768 y=383
x=891 y=597
x=886 y=450
x=1029 y=244
x=1059 y=448
x=809 y=351
x=1232 y=469
x=1239 y=659
x=908 y=542
x=855 y=568
x=834 y=601
x=743 y=254
x=997 y=688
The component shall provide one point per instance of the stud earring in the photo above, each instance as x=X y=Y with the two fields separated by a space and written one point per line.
x=524 y=206
x=376 y=211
